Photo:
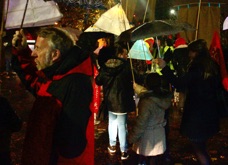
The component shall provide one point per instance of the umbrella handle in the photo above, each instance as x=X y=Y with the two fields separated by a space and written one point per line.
x=22 y=22
x=23 y=18
x=132 y=71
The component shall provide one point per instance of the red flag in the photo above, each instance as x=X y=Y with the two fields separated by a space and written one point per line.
x=225 y=83
x=217 y=54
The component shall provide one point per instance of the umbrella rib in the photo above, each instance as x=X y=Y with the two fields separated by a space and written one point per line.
x=143 y=50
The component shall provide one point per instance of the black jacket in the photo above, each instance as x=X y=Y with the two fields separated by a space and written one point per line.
x=60 y=114
x=200 y=118
x=116 y=78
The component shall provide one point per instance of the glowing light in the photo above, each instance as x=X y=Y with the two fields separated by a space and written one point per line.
x=172 y=12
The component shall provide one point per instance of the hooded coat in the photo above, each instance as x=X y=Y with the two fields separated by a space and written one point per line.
x=116 y=78
x=59 y=117
x=148 y=134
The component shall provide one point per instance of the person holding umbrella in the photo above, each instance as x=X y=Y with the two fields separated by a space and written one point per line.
x=200 y=119
x=58 y=73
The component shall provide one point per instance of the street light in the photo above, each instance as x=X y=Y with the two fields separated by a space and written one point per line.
x=173 y=14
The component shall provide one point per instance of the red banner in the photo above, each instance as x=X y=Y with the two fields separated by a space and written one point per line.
x=217 y=54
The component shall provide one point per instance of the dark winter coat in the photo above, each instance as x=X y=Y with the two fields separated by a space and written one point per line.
x=180 y=60
x=116 y=79
x=200 y=117
x=60 y=114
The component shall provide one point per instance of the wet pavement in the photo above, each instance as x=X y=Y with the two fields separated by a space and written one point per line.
x=180 y=149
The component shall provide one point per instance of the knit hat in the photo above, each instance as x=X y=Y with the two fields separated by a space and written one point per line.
x=179 y=41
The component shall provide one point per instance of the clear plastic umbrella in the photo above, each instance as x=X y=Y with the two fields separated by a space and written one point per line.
x=113 y=20
x=31 y=13
x=225 y=24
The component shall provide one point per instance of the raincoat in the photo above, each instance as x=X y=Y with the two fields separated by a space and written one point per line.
x=58 y=122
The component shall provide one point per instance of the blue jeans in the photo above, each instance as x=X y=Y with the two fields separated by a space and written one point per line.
x=117 y=125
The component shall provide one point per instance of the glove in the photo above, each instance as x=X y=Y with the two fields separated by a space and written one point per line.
x=19 y=40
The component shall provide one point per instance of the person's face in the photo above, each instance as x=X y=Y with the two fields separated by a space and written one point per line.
x=42 y=53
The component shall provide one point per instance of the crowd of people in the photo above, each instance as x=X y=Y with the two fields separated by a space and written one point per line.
x=66 y=76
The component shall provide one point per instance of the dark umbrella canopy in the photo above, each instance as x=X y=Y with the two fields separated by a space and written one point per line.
x=88 y=40
x=126 y=36
x=153 y=29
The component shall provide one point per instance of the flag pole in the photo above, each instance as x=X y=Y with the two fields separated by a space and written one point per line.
x=198 y=17
x=22 y=21
x=147 y=4
x=23 y=18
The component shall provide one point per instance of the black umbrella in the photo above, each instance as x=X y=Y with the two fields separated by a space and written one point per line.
x=126 y=36
x=88 y=40
x=154 y=29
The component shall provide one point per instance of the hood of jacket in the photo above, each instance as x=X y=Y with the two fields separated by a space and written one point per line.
x=163 y=100
x=113 y=66
x=75 y=61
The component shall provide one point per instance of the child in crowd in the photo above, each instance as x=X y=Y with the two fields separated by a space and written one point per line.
x=148 y=133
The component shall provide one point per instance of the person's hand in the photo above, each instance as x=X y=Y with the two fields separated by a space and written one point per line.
x=161 y=63
x=19 y=40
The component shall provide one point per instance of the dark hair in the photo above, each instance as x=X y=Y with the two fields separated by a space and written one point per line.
x=153 y=81
x=203 y=58
x=199 y=46
x=105 y=54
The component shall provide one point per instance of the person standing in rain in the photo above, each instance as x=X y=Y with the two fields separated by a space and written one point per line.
x=58 y=73
x=148 y=133
x=200 y=119
x=116 y=77
x=180 y=63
